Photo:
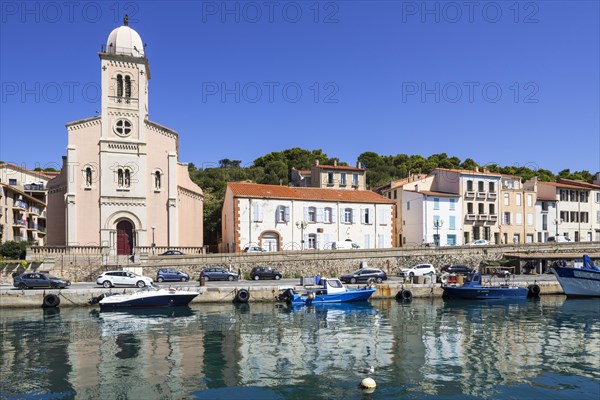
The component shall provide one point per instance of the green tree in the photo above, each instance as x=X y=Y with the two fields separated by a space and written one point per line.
x=13 y=250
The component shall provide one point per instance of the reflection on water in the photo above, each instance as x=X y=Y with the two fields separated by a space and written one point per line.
x=423 y=349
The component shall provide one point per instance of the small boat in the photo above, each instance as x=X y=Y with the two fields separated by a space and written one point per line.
x=473 y=290
x=332 y=290
x=149 y=296
x=579 y=282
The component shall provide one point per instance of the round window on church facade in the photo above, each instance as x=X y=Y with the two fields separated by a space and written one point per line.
x=122 y=127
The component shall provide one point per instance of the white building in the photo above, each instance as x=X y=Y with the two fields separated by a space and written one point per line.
x=431 y=217
x=291 y=218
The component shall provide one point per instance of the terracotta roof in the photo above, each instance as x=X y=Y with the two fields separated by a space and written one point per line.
x=255 y=190
x=562 y=185
x=40 y=173
x=344 y=167
x=542 y=198
x=469 y=172
x=586 y=185
x=14 y=189
x=441 y=194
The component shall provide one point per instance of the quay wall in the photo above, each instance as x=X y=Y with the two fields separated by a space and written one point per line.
x=78 y=265
x=13 y=298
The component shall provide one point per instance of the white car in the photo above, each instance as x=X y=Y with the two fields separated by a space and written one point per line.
x=480 y=242
x=254 y=249
x=122 y=278
x=419 y=270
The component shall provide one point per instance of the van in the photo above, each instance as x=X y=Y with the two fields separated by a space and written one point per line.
x=559 y=239
x=346 y=245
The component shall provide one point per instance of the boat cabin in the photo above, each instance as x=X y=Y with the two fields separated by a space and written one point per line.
x=472 y=280
x=330 y=286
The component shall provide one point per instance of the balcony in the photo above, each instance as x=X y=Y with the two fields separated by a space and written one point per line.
x=32 y=187
x=492 y=195
x=35 y=210
x=471 y=217
x=17 y=223
x=493 y=217
x=32 y=227
x=42 y=214
x=20 y=204
x=481 y=195
x=482 y=217
x=469 y=193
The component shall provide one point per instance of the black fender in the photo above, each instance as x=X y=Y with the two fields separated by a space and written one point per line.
x=242 y=296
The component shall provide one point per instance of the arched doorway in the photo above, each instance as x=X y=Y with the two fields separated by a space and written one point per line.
x=124 y=238
x=270 y=241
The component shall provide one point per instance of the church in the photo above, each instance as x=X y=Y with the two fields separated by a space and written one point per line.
x=121 y=185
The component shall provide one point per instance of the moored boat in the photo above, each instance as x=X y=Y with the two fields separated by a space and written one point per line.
x=472 y=289
x=332 y=290
x=579 y=282
x=149 y=296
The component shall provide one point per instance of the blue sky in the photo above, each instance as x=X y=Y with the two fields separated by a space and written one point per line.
x=501 y=82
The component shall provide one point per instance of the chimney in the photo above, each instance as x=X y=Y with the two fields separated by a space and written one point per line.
x=335 y=163
x=476 y=169
x=416 y=188
x=316 y=162
x=486 y=170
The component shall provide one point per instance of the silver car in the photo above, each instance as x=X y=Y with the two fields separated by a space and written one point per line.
x=122 y=278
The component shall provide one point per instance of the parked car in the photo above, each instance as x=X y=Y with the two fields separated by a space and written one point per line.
x=458 y=269
x=33 y=280
x=363 y=275
x=122 y=278
x=172 y=253
x=418 y=270
x=480 y=242
x=254 y=249
x=501 y=273
x=346 y=245
x=218 y=274
x=264 y=273
x=171 y=274
x=559 y=239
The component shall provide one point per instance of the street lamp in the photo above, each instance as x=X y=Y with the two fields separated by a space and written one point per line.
x=557 y=222
x=437 y=224
x=301 y=225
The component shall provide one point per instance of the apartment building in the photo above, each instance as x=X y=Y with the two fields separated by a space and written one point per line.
x=334 y=176
x=479 y=198
x=23 y=197
x=517 y=210
x=295 y=218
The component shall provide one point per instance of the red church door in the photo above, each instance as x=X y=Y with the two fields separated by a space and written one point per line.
x=124 y=238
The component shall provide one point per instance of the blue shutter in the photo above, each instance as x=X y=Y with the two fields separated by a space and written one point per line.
x=452 y=222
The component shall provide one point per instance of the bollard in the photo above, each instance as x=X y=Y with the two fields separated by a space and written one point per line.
x=202 y=280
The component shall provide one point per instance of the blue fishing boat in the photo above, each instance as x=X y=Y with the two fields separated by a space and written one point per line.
x=473 y=290
x=332 y=290
x=579 y=282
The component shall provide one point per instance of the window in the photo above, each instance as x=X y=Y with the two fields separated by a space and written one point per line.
x=480 y=186
x=564 y=216
x=127 y=86
x=507 y=218
x=598 y=197
x=530 y=219
x=127 y=179
x=122 y=127
x=395 y=194
x=327 y=215
x=529 y=200
x=12 y=182
x=348 y=217
x=408 y=205
x=157 y=182
x=574 y=216
x=469 y=186
x=506 y=199
x=330 y=178
x=452 y=204
x=583 y=217
x=119 y=85
x=312 y=214
x=436 y=203
x=342 y=179
x=452 y=222
x=384 y=216
x=88 y=177
x=451 y=240
x=476 y=233
x=282 y=214
x=257 y=214
x=312 y=241
x=519 y=218
x=492 y=187
x=564 y=195
x=492 y=209
x=366 y=216
x=481 y=208
x=120 y=178
x=598 y=217
x=486 y=233
x=518 y=199
x=469 y=208
x=354 y=179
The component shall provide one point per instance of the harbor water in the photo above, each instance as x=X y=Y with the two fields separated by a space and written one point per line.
x=424 y=349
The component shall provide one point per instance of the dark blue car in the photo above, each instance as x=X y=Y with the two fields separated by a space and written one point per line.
x=171 y=274
x=39 y=280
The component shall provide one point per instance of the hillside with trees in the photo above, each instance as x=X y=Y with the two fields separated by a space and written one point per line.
x=275 y=169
